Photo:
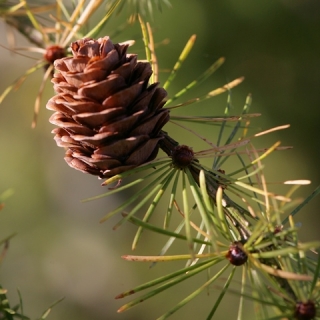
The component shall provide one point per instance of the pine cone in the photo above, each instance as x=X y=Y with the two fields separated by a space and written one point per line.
x=109 y=120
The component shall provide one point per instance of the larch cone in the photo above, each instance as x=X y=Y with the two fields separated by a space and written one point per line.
x=108 y=117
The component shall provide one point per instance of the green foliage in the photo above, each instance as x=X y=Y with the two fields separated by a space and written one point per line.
x=224 y=216
x=10 y=313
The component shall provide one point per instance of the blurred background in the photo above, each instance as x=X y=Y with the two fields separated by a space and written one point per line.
x=60 y=248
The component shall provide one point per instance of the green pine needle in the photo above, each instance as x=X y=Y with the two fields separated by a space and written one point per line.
x=185 y=52
x=193 y=294
x=175 y=235
x=223 y=292
x=199 y=80
x=186 y=274
x=163 y=186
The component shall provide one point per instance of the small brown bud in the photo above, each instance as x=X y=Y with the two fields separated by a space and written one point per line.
x=53 y=53
x=236 y=255
x=182 y=156
x=305 y=310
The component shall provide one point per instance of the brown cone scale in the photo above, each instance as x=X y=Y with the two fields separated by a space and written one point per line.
x=108 y=118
